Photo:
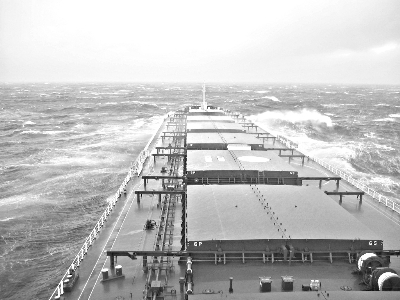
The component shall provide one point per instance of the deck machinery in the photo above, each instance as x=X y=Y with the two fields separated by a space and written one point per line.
x=225 y=210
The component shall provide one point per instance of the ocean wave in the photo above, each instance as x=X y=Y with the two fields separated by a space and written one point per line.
x=74 y=160
x=7 y=219
x=385 y=120
x=272 y=98
x=382 y=104
x=383 y=147
x=28 y=123
x=262 y=92
x=370 y=135
x=300 y=116
x=394 y=115
x=43 y=132
x=31 y=132
x=330 y=105
x=18 y=200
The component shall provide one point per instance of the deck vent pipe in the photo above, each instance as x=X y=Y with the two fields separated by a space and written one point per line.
x=182 y=283
x=285 y=252
x=105 y=273
x=230 y=285
x=265 y=284
x=118 y=270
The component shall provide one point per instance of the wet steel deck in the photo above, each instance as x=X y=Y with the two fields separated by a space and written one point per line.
x=124 y=229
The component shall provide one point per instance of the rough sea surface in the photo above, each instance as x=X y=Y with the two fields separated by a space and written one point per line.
x=65 y=148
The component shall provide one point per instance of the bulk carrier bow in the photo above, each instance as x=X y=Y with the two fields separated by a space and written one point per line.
x=216 y=207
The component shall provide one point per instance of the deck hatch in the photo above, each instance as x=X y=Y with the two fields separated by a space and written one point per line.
x=302 y=216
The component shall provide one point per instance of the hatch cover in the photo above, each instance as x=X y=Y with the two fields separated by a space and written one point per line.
x=253 y=159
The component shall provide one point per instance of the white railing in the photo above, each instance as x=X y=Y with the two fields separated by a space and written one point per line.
x=135 y=170
x=288 y=143
x=395 y=206
x=374 y=194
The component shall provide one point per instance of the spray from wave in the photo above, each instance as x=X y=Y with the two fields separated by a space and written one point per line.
x=304 y=116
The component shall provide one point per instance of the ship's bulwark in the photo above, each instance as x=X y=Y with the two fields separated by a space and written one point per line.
x=66 y=148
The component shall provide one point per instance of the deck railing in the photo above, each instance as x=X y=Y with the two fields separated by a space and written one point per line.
x=395 y=206
x=134 y=170
x=374 y=194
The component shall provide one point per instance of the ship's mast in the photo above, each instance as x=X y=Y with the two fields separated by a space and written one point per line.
x=204 y=97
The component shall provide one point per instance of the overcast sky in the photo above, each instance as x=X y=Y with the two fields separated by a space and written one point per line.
x=356 y=42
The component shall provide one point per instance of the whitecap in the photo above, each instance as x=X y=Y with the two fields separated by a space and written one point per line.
x=385 y=120
x=51 y=132
x=394 y=115
x=7 y=219
x=261 y=92
x=31 y=132
x=382 y=104
x=384 y=147
x=298 y=116
x=28 y=123
x=272 y=98
x=330 y=105
x=370 y=135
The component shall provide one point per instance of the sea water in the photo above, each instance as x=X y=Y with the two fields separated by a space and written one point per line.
x=65 y=148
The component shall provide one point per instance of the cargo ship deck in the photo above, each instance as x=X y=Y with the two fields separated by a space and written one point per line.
x=222 y=211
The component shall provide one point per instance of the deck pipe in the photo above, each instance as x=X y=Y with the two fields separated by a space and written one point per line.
x=145 y=264
x=230 y=285
x=189 y=266
x=105 y=273
x=285 y=252
x=189 y=276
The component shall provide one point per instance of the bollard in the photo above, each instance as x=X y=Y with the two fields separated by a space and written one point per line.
x=230 y=285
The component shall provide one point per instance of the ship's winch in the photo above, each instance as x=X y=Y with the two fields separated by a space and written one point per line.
x=377 y=276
